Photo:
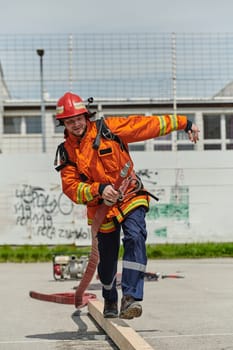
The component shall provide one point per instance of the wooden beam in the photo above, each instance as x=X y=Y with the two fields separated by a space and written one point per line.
x=117 y=329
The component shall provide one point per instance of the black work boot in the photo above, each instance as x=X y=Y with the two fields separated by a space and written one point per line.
x=130 y=308
x=110 y=309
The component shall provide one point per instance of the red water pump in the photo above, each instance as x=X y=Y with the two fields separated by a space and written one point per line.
x=69 y=267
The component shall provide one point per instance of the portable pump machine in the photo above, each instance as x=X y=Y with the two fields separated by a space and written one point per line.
x=69 y=267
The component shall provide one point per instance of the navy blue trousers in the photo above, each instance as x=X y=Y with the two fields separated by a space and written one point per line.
x=134 y=257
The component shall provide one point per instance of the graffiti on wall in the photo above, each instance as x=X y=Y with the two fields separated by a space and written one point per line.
x=173 y=205
x=49 y=214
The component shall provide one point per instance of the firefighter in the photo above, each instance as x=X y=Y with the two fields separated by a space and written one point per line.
x=88 y=174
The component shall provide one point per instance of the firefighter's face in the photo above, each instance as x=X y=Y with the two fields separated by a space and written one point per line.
x=76 y=125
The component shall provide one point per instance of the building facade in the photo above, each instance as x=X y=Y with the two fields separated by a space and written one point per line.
x=21 y=122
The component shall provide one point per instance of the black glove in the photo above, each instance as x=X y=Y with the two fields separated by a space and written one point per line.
x=188 y=126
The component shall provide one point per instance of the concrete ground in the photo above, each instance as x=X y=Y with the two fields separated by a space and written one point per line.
x=190 y=313
x=193 y=313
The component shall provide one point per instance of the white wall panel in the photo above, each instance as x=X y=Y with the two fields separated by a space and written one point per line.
x=195 y=191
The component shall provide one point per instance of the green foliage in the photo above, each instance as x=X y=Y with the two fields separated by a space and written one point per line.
x=6 y=253
x=41 y=253
x=190 y=250
x=44 y=253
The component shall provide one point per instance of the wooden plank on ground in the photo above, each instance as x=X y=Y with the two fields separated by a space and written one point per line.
x=117 y=329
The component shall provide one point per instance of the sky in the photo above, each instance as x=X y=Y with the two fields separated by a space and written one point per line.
x=121 y=16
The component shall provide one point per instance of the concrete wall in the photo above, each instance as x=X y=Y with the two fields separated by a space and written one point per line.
x=195 y=191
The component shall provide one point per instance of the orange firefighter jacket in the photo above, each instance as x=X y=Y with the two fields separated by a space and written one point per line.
x=81 y=183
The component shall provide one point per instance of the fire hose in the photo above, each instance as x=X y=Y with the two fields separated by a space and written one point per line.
x=80 y=298
x=94 y=256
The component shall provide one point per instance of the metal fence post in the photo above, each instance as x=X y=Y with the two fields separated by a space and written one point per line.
x=40 y=53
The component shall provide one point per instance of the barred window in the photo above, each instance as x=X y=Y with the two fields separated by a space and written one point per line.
x=12 y=125
x=33 y=125
x=212 y=126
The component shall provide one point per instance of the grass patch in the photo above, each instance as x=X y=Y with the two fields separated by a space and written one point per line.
x=45 y=253
x=190 y=250
x=40 y=253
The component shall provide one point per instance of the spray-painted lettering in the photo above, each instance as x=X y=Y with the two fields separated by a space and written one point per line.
x=39 y=211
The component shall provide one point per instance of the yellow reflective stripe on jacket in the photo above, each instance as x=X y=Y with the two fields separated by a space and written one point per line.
x=83 y=193
x=174 y=122
x=162 y=125
x=136 y=203
x=87 y=193
x=106 y=227
x=109 y=226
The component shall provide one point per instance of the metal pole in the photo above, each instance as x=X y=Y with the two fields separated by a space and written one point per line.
x=174 y=86
x=40 y=53
x=174 y=71
x=71 y=62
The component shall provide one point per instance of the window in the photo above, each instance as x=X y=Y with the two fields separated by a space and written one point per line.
x=33 y=125
x=229 y=126
x=212 y=126
x=22 y=125
x=212 y=132
x=164 y=147
x=11 y=125
x=188 y=147
x=212 y=147
x=136 y=147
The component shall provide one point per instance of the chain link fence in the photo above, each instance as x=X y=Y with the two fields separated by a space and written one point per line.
x=118 y=65
x=125 y=73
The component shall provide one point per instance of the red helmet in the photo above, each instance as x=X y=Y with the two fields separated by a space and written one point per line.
x=70 y=105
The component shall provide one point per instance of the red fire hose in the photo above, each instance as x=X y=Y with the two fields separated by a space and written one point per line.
x=94 y=257
x=80 y=298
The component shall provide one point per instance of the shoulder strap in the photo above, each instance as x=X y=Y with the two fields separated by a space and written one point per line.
x=106 y=133
x=99 y=126
x=64 y=157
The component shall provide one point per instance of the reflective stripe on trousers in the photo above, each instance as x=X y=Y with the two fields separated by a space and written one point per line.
x=134 y=258
x=108 y=245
